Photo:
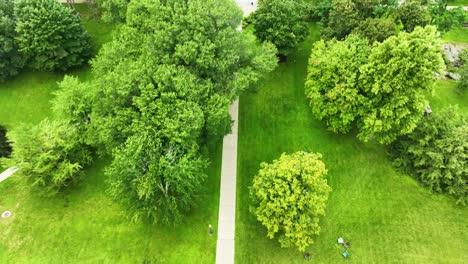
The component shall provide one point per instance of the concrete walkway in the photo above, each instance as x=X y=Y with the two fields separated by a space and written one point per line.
x=7 y=173
x=227 y=199
x=227 y=196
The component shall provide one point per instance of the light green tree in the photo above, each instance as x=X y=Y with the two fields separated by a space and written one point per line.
x=332 y=82
x=289 y=196
x=399 y=74
x=50 y=155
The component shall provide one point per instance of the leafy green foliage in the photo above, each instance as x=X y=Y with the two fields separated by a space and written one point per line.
x=344 y=16
x=50 y=154
x=376 y=29
x=156 y=185
x=113 y=10
x=437 y=153
x=399 y=73
x=50 y=35
x=289 y=196
x=412 y=14
x=445 y=19
x=382 y=90
x=282 y=22
x=11 y=61
x=332 y=82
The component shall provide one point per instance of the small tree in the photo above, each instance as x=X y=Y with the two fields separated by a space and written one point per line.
x=281 y=22
x=113 y=10
x=50 y=35
x=436 y=153
x=11 y=61
x=50 y=155
x=445 y=19
x=156 y=183
x=288 y=197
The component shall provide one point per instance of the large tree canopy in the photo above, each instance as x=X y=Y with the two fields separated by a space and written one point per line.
x=50 y=35
x=164 y=84
x=381 y=89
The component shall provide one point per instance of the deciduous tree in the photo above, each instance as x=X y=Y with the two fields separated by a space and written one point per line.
x=289 y=196
x=282 y=22
x=436 y=153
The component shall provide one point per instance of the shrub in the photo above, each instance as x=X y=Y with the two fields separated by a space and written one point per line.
x=289 y=195
x=436 y=153
x=49 y=154
x=50 y=35
x=5 y=145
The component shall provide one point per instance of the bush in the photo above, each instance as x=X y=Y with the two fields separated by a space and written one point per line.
x=10 y=59
x=289 y=195
x=5 y=145
x=50 y=35
x=412 y=14
x=436 y=153
x=49 y=154
x=376 y=29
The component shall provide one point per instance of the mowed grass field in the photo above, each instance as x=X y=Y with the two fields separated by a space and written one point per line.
x=386 y=216
x=84 y=225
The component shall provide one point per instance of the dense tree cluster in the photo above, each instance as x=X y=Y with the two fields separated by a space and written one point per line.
x=164 y=86
x=289 y=196
x=380 y=89
x=282 y=22
x=436 y=153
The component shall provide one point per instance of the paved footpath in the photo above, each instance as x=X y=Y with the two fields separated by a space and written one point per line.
x=7 y=173
x=227 y=196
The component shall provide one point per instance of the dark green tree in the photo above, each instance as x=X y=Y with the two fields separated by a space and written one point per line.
x=282 y=22
x=445 y=19
x=436 y=153
x=50 y=35
x=413 y=13
x=11 y=61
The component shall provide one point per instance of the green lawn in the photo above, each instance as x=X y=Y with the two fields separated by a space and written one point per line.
x=457 y=2
x=85 y=225
x=387 y=217
x=457 y=35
